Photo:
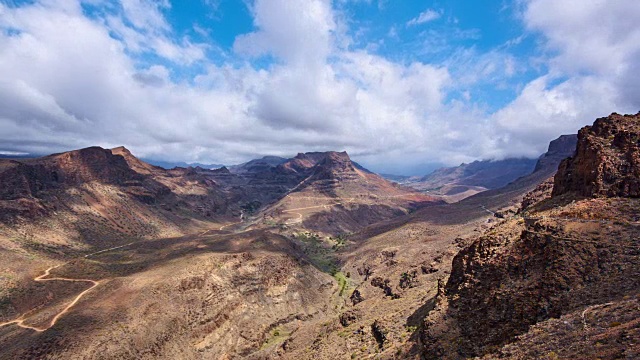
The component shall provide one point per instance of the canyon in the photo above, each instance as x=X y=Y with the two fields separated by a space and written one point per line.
x=106 y=256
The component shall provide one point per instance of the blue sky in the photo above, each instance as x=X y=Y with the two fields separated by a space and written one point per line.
x=403 y=86
x=384 y=28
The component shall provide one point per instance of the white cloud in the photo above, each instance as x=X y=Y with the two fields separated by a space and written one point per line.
x=70 y=80
x=143 y=28
x=595 y=36
x=542 y=112
x=146 y=14
x=355 y=101
x=298 y=32
x=425 y=17
x=593 y=59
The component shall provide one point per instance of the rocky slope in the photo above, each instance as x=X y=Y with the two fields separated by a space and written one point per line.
x=561 y=256
x=336 y=196
x=218 y=296
x=487 y=174
x=309 y=275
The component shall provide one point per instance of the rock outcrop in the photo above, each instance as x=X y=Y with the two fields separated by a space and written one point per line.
x=607 y=160
x=557 y=257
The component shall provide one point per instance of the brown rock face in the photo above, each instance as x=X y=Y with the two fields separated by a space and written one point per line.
x=607 y=160
x=554 y=259
x=524 y=272
x=29 y=178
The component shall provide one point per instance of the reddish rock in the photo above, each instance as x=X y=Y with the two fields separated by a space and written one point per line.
x=607 y=160
x=551 y=263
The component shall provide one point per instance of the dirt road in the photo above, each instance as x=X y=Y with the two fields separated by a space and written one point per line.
x=20 y=321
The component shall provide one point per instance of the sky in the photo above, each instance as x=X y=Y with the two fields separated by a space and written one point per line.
x=402 y=86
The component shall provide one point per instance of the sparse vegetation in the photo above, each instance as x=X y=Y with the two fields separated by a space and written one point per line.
x=343 y=282
x=411 y=329
x=276 y=336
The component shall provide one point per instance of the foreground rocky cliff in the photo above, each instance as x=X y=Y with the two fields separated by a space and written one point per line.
x=607 y=163
x=566 y=255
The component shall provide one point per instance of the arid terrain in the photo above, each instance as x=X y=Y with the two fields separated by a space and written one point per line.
x=103 y=256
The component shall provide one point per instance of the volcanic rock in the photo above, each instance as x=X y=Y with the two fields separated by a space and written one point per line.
x=559 y=259
x=607 y=160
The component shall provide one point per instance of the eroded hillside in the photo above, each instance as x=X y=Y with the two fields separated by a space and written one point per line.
x=314 y=257
x=571 y=253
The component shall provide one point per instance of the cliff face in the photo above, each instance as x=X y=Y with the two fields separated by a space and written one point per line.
x=505 y=282
x=560 y=256
x=28 y=178
x=607 y=161
x=559 y=149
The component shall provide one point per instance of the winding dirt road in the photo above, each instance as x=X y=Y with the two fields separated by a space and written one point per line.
x=20 y=321
x=224 y=226
x=109 y=249
x=327 y=206
x=227 y=225
x=299 y=218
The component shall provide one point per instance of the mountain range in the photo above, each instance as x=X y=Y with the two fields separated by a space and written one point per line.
x=104 y=255
x=456 y=183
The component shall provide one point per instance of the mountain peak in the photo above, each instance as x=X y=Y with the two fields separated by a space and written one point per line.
x=321 y=154
x=77 y=166
x=134 y=163
x=121 y=150
x=559 y=149
x=305 y=161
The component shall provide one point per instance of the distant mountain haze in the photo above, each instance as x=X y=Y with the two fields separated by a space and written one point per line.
x=457 y=183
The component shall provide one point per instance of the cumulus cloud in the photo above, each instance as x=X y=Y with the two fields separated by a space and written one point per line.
x=592 y=53
x=71 y=79
x=295 y=31
x=425 y=17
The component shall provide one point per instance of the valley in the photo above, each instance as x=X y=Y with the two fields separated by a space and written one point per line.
x=319 y=180
x=314 y=257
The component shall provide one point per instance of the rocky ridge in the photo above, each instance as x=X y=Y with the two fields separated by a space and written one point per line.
x=561 y=255
x=607 y=162
x=457 y=183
